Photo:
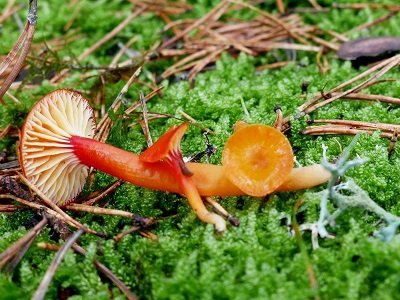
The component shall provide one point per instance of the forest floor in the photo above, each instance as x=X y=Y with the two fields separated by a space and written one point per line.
x=181 y=257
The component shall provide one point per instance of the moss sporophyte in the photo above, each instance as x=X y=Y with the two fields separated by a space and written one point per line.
x=57 y=148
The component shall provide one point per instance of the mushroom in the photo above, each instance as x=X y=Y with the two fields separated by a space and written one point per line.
x=57 y=148
x=257 y=159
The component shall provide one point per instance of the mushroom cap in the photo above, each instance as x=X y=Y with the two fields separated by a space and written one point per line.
x=257 y=159
x=167 y=147
x=46 y=156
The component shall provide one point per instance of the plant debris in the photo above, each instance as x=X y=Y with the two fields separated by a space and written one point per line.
x=368 y=50
x=13 y=63
x=169 y=264
x=213 y=35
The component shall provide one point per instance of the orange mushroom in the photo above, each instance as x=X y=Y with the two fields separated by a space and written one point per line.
x=257 y=158
x=57 y=147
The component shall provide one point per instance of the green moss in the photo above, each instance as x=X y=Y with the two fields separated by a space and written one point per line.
x=258 y=260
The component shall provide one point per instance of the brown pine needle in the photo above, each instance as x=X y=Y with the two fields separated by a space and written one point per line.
x=19 y=255
x=4 y=208
x=272 y=66
x=42 y=289
x=16 y=57
x=120 y=236
x=147 y=98
x=391 y=7
x=13 y=98
x=281 y=6
x=5 y=131
x=122 y=51
x=204 y=62
x=145 y=121
x=101 y=42
x=384 y=66
x=107 y=272
x=102 y=268
x=221 y=211
x=379 y=20
x=41 y=208
x=97 y=196
x=11 y=251
x=99 y=210
x=9 y=10
x=340 y=130
x=214 y=14
x=54 y=207
x=104 y=125
x=360 y=124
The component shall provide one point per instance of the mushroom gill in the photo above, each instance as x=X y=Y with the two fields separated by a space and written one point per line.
x=46 y=156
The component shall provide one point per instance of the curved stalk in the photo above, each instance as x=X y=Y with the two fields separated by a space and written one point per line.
x=210 y=180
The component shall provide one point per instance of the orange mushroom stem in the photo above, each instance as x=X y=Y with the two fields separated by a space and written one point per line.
x=57 y=147
x=166 y=150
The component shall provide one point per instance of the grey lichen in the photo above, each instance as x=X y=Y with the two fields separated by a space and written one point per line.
x=344 y=196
